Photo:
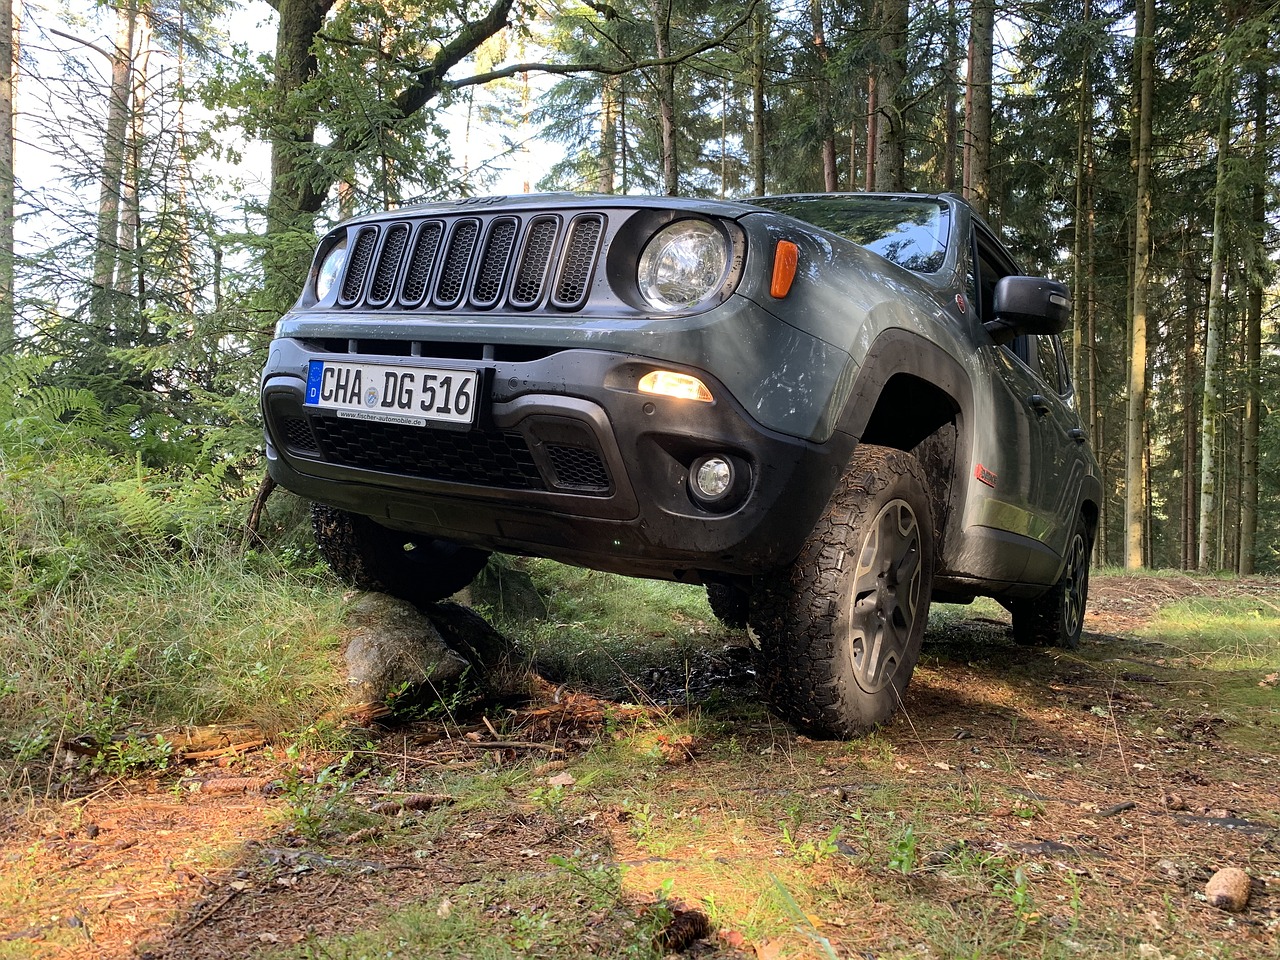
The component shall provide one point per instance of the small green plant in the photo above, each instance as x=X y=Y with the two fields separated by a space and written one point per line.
x=549 y=798
x=809 y=852
x=321 y=804
x=902 y=850
x=1017 y=889
x=601 y=880
x=132 y=755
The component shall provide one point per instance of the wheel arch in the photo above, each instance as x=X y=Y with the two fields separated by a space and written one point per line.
x=912 y=395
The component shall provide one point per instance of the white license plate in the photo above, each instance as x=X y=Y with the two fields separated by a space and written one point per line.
x=393 y=394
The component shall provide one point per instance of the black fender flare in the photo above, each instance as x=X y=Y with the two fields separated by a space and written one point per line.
x=897 y=352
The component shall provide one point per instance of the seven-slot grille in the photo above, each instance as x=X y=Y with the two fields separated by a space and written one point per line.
x=457 y=262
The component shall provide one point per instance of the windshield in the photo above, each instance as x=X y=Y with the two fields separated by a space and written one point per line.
x=911 y=232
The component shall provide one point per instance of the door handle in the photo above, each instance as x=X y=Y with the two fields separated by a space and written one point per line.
x=1039 y=404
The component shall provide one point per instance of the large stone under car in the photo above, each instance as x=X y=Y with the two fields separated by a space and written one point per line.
x=826 y=408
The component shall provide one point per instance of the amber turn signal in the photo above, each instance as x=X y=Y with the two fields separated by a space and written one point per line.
x=681 y=386
x=786 y=256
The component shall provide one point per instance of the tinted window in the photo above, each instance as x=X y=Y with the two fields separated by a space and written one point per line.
x=1049 y=370
x=912 y=233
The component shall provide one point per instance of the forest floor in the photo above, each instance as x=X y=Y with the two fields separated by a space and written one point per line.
x=1027 y=803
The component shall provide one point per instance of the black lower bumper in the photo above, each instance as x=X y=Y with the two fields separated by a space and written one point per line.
x=567 y=460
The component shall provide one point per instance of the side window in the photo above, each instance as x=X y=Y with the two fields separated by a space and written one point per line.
x=990 y=263
x=1050 y=370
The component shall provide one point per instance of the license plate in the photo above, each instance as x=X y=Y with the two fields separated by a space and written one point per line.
x=393 y=394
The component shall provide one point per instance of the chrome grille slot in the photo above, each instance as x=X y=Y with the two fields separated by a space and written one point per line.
x=457 y=258
x=358 y=265
x=535 y=262
x=492 y=270
x=384 y=275
x=578 y=261
x=425 y=246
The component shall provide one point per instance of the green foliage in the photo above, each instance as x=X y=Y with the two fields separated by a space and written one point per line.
x=809 y=852
x=321 y=804
x=127 y=757
x=902 y=849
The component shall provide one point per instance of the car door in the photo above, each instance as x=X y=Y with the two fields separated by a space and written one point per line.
x=1038 y=480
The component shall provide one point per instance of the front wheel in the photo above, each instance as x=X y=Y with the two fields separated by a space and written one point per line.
x=840 y=629
x=369 y=556
x=1056 y=618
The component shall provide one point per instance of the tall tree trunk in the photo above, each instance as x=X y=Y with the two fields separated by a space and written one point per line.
x=1190 y=434
x=131 y=280
x=1084 y=127
x=1100 y=548
x=830 y=179
x=661 y=10
x=107 y=240
x=1253 y=336
x=759 y=42
x=1211 y=401
x=950 y=100
x=977 y=127
x=890 y=81
x=1136 y=416
x=8 y=83
x=607 y=170
x=296 y=193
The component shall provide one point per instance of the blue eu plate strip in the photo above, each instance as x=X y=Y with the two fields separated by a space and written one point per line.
x=314 y=372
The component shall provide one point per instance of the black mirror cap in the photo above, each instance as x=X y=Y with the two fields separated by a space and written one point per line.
x=1029 y=305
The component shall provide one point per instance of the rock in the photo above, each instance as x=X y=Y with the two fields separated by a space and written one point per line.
x=507 y=591
x=1228 y=889
x=470 y=634
x=392 y=649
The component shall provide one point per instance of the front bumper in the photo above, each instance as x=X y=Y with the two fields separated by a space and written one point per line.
x=567 y=460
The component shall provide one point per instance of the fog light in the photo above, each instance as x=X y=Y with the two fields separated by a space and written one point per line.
x=713 y=477
x=719 y=482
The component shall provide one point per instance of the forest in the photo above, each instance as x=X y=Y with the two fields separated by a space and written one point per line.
x=167 y=165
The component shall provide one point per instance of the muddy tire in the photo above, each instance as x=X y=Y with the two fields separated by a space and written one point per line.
x=840 y=629
x=368 y=556
x=1056 y=619
x=730 y=604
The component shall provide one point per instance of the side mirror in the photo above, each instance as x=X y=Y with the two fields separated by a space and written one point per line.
x=1028 y=305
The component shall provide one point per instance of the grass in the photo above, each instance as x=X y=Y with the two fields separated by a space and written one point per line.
x=1233 y=633
x=164 y=640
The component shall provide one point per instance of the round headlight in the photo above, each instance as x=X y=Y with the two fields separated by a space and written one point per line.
x=682 y=265
x=331 y=269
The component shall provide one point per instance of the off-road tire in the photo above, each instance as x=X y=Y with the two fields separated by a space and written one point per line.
x=730 y=604
x=1056 y=618
x=840 y=629
x=369 y=556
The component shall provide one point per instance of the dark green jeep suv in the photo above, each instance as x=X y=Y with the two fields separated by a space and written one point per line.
x=826 y=408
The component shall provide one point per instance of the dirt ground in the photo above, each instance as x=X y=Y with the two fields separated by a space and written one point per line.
x=1123 y=778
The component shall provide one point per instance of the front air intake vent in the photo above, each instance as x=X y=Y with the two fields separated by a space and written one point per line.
x=493 y=262
x=425 y=246
x=358 y=265
x=578 y=262
x=457 y=260
x=384 y=276
x=535 y=261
